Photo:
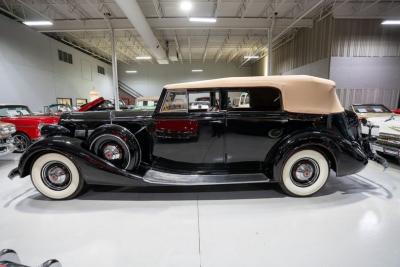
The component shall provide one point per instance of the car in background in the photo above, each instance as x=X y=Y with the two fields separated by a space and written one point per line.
x=6 y=140
x=145 y=103
x=27 y=124
x=100 y=104
x=397 y=111
x=387 y=128
x=57 y=109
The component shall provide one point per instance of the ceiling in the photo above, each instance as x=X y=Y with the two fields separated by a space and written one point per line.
x=241 y=28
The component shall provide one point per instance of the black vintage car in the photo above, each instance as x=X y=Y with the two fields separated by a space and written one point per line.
x=291 y=130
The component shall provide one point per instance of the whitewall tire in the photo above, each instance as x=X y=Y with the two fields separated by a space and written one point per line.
x=56 y=176
x=304 y=173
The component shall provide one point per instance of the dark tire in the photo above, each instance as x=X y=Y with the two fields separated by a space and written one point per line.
x=56 y=176
x=21 y=142
x=124 y=154
x=304 y=172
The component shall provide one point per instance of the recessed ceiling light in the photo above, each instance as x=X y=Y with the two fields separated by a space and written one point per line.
x=143 y=57
x=131 y=71
x=251 y=57
x=37 y=23
x=197 y=70
x=186 y=5
x=206 y=20
x=391 y=22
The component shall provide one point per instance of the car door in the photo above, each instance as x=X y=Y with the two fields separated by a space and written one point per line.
x=253 y=126
x=188 y=131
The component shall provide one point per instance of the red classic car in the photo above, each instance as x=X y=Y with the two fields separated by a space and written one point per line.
x=397 y=111
x=101 y=104
x=28 y=125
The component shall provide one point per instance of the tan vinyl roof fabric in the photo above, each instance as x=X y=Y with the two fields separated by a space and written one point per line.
x=300 y=93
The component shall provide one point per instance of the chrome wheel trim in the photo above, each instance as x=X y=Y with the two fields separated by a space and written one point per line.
x=94 y=146
x=112 y=152
x=20 y=142
x=304 y=172
x=56 y=175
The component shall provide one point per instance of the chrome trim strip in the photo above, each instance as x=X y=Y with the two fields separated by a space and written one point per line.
x=157 y=177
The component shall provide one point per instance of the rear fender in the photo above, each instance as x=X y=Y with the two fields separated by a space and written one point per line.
x=93 y=169
x=344 y=156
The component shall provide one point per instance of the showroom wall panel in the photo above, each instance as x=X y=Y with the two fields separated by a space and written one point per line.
x=150 y=78
x=32 y=74
x=365 y=62
x=304 y=48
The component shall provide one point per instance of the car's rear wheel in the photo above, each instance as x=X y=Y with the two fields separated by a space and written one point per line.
x=56 y=176
x=21 y=142
x=304 y=173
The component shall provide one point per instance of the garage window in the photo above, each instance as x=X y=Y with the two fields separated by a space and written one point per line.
x=65 y=57
x=101 y=70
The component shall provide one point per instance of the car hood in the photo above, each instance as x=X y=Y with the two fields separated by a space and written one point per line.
x=108 y=114
x=387 y=125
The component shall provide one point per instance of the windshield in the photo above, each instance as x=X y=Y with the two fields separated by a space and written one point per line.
x=13 y=111
x=371 y=109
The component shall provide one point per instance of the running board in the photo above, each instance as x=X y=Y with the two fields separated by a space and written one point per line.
x=157 y=177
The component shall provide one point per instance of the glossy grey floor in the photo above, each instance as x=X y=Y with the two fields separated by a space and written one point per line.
x=354 y=221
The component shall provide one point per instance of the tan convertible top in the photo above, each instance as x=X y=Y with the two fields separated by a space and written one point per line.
x=300 y=93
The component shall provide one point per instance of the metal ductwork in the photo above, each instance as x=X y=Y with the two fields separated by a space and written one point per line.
x=135 y=15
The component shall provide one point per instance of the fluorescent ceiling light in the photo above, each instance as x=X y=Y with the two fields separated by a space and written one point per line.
x=162 y=61
x=186 y=5
x=391 y=22
x=131 y=71
x=197 y=70
x=251 y=57
x=38 y=23
x=207 y=20
x=143 y=57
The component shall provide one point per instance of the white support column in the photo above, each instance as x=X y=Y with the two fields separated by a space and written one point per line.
x=270 y=51
x=115 y=71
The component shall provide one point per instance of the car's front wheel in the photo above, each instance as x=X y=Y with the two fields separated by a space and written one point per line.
x=56 y=176
x=304 y=173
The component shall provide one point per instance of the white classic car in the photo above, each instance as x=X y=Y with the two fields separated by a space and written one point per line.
x=388 y=132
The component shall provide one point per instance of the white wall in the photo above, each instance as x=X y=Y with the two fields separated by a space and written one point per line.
x=318 y=68
x=150 y=78
x=367 y=79
x=31 y=74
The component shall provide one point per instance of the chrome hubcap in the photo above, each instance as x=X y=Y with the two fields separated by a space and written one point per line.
x=56 y=175
x=112 y=152
x=305 y=172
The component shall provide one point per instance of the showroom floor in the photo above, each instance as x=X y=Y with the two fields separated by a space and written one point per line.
x=354 y=221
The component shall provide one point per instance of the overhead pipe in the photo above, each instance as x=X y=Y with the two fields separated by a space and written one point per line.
x=135 y=15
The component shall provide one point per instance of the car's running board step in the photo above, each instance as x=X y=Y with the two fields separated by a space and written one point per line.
x=157 y=177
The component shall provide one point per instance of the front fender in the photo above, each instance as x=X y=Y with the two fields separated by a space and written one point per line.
x=93 y=169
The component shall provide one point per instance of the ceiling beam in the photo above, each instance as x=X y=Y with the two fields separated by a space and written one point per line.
x=173 y=24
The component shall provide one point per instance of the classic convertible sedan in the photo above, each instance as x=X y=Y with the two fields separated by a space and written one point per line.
x=293 y=131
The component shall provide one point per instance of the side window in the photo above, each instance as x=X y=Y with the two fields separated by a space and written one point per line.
x=238 y=99
x=175 y=101
x=255 y=99
x=204 y=101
